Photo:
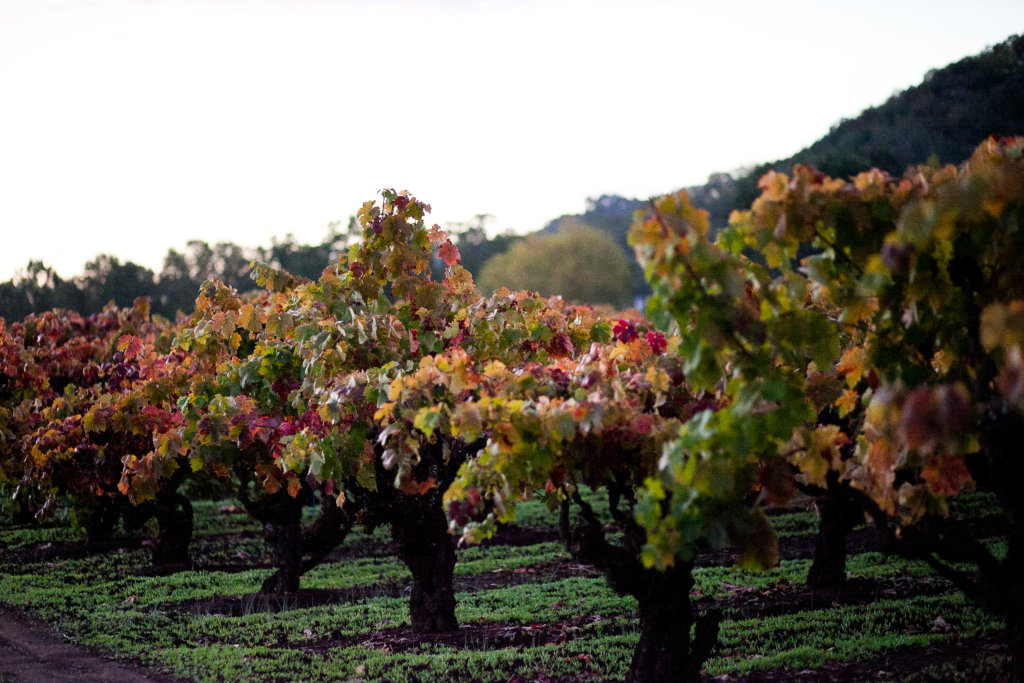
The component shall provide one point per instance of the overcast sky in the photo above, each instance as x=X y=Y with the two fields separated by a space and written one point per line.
x=131 y=126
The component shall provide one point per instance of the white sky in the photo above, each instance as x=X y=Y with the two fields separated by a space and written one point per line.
x=131 y=126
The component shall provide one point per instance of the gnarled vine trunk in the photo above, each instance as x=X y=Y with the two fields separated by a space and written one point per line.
x=828 y=566
x=840 y=509
x=665 y=651
x=420 y=530
x=315 y=543
x=285 y=536
x=174 y=518
x=103 y=519
x=428 y=550
x=999 y=468
x=1014 y=604
x=281 y=516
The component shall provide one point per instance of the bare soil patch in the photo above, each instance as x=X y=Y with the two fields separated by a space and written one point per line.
x=32 y=652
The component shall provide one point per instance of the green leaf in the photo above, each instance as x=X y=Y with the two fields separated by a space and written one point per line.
x=427 y=419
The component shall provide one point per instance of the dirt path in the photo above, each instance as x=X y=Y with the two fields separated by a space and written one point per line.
x=32 y=652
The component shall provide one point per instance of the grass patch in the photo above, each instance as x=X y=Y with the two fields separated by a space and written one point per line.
x=570 y=623
x=808 y=639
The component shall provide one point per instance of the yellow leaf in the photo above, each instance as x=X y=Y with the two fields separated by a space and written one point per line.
x=467 y=422
x=942 y=361
x=384 y=412
x=659 y=379
x=859 y=308
x=993 y=206
x=427 y=419
x=395 y=390
x=247 y=318
x=847 y=402
x=774 y=186
x=851 y=365
x=871 y=183
x=774 y=255
x=1002 y=324
x=495 y=369
x=822 y=452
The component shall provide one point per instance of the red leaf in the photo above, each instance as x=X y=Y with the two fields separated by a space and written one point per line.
x=643 y=423
x=624 y=331
x=449 y=253
x=130 y=346
x=657 y=341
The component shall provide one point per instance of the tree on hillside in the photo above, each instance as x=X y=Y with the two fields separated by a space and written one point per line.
x=611 y=215
x=309 y=260
x=475 y=247
x=942 y=118
x=107 y=280
x=580 y=263
x=38 y=288
x=183 y=273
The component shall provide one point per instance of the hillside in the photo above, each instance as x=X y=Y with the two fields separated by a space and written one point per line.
x=940 y=120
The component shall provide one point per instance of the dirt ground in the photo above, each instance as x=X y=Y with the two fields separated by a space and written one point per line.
x=33 y=652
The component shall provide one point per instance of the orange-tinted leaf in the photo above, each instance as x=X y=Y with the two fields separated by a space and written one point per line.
x=946 y=475
x=417 y=488
x=449 y=253
x=851 y=365
x=436 y=234
x=847 y=402
x=130 y=345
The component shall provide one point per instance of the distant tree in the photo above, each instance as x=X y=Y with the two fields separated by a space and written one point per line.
x=304 y=260
x=106 y=279
x=229 y=263
x=177 y=288
x=475 y=247
x=37 y=288
x=13 y=305
x=183 y=273
x=612 y=215
x=580 y=262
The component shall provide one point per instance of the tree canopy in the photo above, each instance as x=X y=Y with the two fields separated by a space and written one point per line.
x=580 y=263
